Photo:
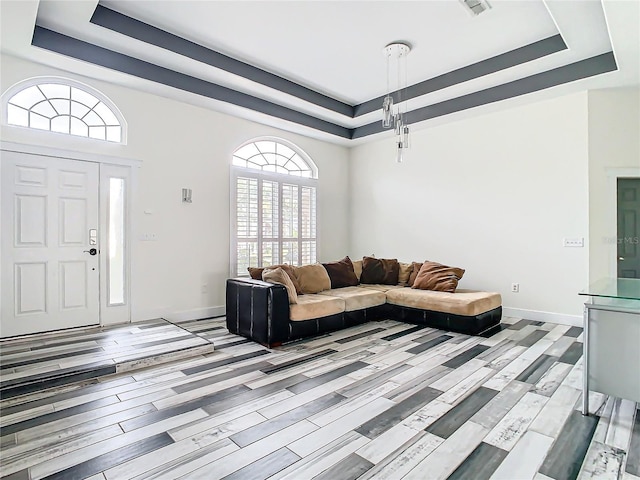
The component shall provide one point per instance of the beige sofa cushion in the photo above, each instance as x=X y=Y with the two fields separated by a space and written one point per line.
x=404 y=273
x=312 y=306
x=379 y=287
x=462 y=302
x=278 y=275
x=357 y=268
x=313 y=278
x=256 y=273
x=357 y=298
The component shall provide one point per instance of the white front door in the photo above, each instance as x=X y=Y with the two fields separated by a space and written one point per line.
x=49 y=218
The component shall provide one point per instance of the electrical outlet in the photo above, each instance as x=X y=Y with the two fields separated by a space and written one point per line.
x=573 y=242
x=203 y=288
x=515 y=287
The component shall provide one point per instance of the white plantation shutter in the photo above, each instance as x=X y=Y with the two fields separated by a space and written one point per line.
x=275 y=214
x=246 y=222
x=290 y=225
x=270 y=223
x=308 y=225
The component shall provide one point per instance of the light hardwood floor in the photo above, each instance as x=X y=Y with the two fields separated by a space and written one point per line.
x=384 y=400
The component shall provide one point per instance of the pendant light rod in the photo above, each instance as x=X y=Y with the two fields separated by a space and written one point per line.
x=395 y=116
x=396 y=51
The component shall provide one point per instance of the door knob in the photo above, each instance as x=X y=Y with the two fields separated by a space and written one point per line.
x=620 y=258
x=91 y=251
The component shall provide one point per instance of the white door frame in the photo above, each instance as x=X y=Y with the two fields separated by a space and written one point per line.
x=613 y=174
x=109 y=166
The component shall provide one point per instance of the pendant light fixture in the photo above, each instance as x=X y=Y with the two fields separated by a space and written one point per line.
x=394 y=115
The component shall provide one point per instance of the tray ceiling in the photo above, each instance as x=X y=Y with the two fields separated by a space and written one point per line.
x=317 y=66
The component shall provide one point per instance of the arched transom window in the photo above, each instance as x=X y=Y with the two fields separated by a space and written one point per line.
x=64 y=108
x=273 y=206
x=273 y=156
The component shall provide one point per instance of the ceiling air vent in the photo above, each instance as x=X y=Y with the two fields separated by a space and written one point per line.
x=476 y=7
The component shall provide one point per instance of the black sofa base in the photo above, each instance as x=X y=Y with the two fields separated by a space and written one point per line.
x=317 y=326
x=470 y=325
x=260 y=311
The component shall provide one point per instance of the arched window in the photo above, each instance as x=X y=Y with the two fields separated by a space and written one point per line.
x=273 y=156
x=273 y=206
x=63 y=106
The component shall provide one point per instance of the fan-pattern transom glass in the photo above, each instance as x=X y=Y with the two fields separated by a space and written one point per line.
x=66 y=109
x=271 y=156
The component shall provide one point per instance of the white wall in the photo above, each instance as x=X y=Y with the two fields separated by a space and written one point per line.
x=185 y=146
x=494 y=194
x=614 y=149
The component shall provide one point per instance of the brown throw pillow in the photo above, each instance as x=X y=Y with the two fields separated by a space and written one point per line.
x=256 y=274
x=380 y=270
x=313 y=278
x=435 y=276
x=278 y=275
x=404 y=273
x=341 y=273
x=415 y=268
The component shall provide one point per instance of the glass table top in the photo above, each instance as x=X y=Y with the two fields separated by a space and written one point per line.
x=621 y=288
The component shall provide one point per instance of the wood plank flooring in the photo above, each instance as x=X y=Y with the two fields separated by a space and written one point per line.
x=32 y=363
x=383 y=400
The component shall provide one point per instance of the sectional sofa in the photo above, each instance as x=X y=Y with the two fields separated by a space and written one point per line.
x=261 y=310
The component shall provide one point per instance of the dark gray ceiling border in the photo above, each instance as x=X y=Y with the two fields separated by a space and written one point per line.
x=134 y=28
x=72 y=47
x=574 y=71
x=118 y=22
x=521 y=55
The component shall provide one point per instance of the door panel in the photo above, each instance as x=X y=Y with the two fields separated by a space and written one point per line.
x=30 y=176
x=31 y=288
x=73 y=222
x=74 y=289
x=629 y=227
x=49 y=280
x=30 y=221
x=73 y=181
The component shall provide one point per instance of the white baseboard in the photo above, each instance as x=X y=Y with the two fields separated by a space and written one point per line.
x=180 y=315
x=196 y=314
x=535 y=315
x=147 y=314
